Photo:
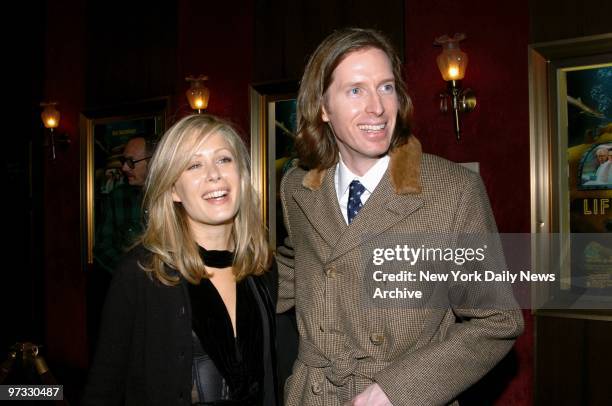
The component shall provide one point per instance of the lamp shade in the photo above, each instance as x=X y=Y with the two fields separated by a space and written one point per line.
x=50 y=116
x=198 y=94
x=452 y=61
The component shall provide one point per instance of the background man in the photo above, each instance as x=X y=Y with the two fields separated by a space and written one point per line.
x=366 y=182
x=604 y=164
x=134 y=161
x=121 y=219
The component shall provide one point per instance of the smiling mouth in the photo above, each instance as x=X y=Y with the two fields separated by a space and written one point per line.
x=216 y=194
x=372 y=127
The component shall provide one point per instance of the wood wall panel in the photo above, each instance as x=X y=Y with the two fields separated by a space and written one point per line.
x=560 y=346
x=598 y=359
x=553 y=20
x=573 y=361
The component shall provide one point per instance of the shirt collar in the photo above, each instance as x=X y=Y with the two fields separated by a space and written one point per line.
x=370 y=180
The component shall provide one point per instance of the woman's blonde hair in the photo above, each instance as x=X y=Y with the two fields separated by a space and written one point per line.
x=167 y=234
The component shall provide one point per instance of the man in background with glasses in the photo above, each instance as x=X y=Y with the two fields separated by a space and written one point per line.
x=135 y=160
x=121 y=219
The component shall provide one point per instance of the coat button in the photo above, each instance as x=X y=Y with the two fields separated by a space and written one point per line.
x=182 y=355
x=316 y=388
x=330 y=272
x=182 y=311
x=377 y=338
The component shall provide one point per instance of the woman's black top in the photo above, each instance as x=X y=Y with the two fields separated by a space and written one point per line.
x=145 y=349
x=227 y=370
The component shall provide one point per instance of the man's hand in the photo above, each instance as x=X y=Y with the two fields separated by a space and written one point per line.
x=373 y=395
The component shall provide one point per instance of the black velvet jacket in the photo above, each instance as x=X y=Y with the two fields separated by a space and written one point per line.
x=144 y=352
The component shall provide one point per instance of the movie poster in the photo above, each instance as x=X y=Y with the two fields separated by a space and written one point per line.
x=285 y=155
x=589 y=129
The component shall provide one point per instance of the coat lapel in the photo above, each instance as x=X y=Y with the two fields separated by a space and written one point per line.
x=397 y=196
x=383 y=209
x=320 y=206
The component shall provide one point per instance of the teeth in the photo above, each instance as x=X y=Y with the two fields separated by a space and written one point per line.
x=367 y=127
x=215 y=194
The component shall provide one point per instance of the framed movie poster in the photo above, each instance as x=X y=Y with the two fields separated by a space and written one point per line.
x=571 y=167
x=273 y=128
x=111 y=204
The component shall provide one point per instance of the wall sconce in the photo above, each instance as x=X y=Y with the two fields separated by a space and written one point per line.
x=452 y=63
x=51 y=119
x=197 y=94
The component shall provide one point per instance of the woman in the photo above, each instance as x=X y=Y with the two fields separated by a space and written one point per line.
x=189 y=316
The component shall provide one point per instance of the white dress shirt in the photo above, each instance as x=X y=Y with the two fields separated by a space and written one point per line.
x=603 y=171
x=370 y=180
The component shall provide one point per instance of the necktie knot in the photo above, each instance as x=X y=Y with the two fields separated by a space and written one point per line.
x=356 y=189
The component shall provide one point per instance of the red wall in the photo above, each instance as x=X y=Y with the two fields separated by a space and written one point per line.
x=65 y=282
x=496 y=133
x=216 y=39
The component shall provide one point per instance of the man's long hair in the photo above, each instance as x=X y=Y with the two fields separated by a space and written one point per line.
x=315 y=143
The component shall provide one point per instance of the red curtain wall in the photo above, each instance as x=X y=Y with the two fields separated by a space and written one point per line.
x=496 y=133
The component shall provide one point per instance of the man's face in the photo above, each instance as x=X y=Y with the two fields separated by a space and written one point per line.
x=602 y=156
x=135 y=149
x=361 y=106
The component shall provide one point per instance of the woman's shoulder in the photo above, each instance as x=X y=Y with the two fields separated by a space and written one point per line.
x=131 y=266
x=269 y=279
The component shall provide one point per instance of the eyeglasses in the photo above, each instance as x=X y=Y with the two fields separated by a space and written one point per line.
x=130 y=161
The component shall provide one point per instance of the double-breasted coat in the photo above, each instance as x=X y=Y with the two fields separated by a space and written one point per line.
x=418 y=356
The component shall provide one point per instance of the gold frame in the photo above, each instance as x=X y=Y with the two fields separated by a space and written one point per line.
x=549 y=208
x=263 y=134
x=155 y=108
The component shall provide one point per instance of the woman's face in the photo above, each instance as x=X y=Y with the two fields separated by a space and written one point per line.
x=209 y=188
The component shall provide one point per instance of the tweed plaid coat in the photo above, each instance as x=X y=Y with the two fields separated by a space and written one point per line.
x=419 y=356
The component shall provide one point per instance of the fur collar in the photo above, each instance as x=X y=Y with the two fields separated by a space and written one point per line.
x=404 y=170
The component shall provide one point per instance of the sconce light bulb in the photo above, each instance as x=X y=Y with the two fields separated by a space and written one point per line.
x=452 y=61
x=50 y=115
x=198 y=95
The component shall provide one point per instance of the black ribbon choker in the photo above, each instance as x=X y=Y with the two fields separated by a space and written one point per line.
x=217 y=259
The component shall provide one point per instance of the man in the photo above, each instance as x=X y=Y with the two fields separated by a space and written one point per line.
x=604 y=164
x=354 y=125
x=121 y=220
x=134 y=161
